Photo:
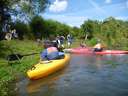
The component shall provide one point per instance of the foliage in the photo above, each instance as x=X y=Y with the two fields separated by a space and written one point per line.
x=14 y=70
x=111 y=31
x=21 y=29
x=91 y=42
x=45 y=28
x=51 y=27
x=76 y=32
x=62 y=29
x=56 y=28
x=37 y=26
x=31 y=8
x=21 y=9
x=88 y=28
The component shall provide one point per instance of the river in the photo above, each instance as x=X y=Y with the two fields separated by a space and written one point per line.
x=85 y=75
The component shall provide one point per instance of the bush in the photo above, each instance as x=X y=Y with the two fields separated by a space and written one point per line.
x=37 y=26
x=92 y=42
x=23 y=30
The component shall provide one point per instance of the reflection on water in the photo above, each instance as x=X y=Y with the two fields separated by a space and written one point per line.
x=86 y=75
x=50 y=82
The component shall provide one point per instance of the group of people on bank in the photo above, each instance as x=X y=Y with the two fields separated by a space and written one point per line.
x=12 y=34
x=8 y=33
x=60 y=40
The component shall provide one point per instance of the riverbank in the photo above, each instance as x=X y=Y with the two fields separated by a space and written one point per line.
x=15 y=70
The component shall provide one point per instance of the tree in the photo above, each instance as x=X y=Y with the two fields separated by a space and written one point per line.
x=51 y=27
x=56 y=28
x=21 y=8
x=22 y=30
x=37 y=25
x=88 y=28
x=76 y=32
x=30 y=8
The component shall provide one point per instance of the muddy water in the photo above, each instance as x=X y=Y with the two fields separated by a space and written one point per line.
x=86 y=75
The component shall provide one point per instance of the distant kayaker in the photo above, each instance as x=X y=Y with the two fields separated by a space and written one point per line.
x=98 y=47
x=50 y=52
x=82 y=44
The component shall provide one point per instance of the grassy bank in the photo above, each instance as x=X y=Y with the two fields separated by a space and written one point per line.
x=16 y=70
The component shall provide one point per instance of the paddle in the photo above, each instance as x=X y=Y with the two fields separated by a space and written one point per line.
x=13 y=57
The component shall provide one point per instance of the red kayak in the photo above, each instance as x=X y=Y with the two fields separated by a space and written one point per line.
x=112 y=52
x=90 y=51
x=79 y=50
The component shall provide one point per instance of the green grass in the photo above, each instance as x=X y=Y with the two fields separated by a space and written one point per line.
x=15 y=70
x=21 y=47
x=8 y=71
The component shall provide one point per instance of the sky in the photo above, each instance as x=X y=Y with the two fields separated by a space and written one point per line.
x=75 y=12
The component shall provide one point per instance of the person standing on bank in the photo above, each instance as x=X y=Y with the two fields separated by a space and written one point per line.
x=69 y=39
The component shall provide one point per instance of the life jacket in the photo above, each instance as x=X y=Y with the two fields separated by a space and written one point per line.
x=52 y=53
x=98 y=46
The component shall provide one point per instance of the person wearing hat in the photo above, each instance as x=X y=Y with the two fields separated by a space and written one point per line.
x=50 y=52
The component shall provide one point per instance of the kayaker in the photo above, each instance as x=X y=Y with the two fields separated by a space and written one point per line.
x=55 y=44
x=98 y=47
x=50 y=52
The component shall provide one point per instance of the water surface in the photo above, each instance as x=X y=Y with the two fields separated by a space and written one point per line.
x=86 y=75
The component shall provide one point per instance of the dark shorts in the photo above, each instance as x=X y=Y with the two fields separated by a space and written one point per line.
x=98 y=50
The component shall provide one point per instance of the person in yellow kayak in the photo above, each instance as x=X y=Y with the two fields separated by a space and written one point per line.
x=98 y=47
x=50 y=52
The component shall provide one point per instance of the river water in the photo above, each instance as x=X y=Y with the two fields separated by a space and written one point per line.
x=86 y=75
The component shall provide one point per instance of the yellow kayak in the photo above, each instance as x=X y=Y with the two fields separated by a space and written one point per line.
x=45 y=68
